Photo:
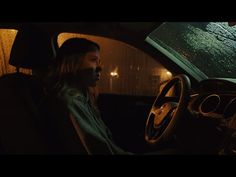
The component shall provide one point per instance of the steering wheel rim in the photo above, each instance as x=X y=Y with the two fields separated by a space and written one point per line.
x=165 y=115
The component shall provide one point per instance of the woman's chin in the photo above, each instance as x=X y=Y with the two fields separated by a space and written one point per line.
x=93 y=84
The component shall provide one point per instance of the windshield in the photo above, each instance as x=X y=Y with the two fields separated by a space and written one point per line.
x=204 y=49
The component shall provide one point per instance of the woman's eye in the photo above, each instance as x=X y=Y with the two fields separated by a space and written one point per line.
x=93 y=59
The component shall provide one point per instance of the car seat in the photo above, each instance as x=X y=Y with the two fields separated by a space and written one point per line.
x=20 y=93
x=31 y=121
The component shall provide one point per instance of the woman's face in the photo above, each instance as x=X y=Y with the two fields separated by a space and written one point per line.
x=91 y=60
x=89 y=71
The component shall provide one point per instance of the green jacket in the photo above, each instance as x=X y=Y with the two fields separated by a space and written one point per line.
x=93 y=133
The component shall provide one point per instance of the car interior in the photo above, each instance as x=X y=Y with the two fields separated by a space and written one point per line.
x=149 y=101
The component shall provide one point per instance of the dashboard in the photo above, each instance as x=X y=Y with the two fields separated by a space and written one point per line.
x=215 y=99
x=213 y=106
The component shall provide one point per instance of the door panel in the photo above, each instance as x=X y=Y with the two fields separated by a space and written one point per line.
x=126 y=117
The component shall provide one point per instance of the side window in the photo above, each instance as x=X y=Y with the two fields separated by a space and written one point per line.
x=7 y=37
x=126 y=70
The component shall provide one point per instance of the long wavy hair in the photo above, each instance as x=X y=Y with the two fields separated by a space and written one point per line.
x=66 y=64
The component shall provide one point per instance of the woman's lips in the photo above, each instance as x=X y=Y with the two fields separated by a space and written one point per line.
x=97 y=76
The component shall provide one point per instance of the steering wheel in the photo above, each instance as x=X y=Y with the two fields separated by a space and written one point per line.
x=166 y=112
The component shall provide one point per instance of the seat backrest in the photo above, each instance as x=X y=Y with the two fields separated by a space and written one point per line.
x=58 y=128
x=19 y=131
x=20 y=94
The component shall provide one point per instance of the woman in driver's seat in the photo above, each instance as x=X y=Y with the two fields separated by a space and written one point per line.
x=73 y=77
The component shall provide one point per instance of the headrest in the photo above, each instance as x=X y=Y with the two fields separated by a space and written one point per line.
x=32 y=48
